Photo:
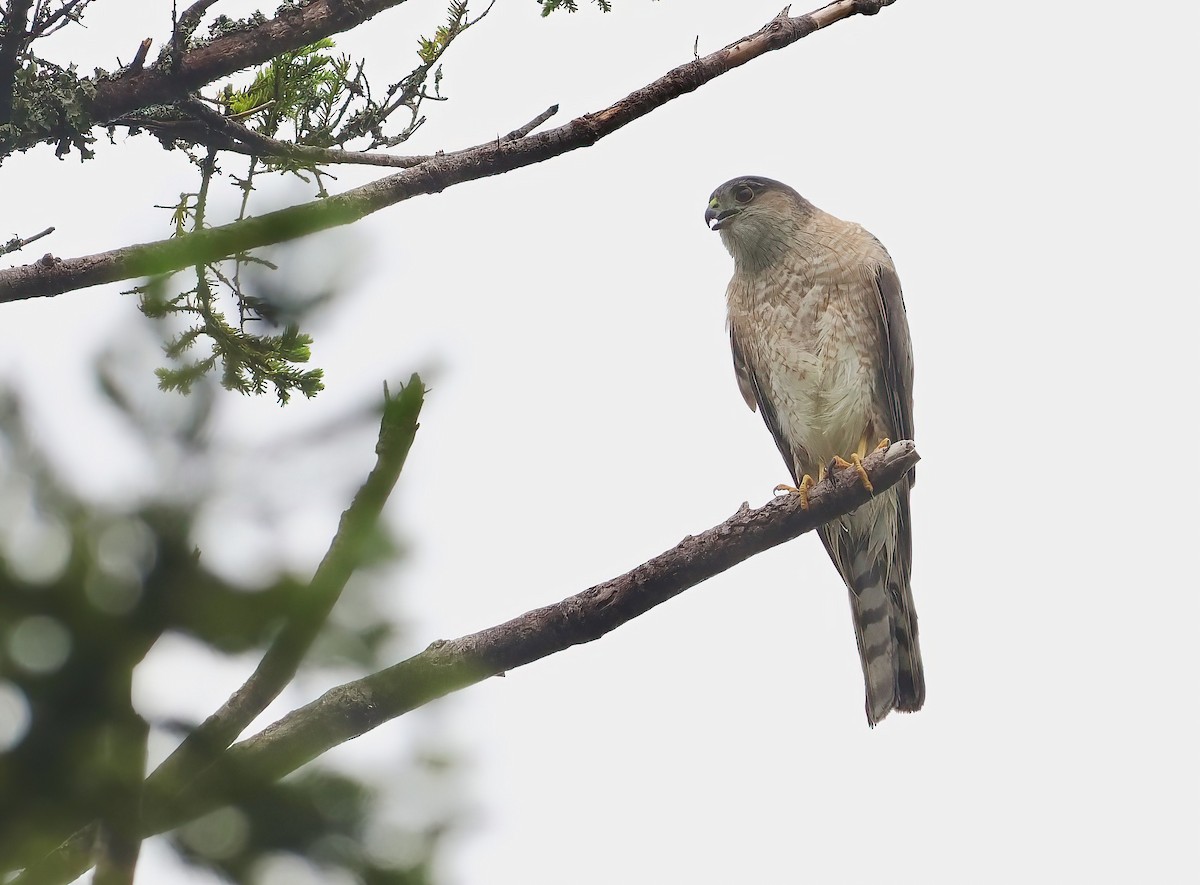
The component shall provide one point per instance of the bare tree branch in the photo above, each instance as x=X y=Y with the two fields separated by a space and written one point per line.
x=51 y=276
x=241 y=139
x=226 y=133
x=355 y=708
x=139 y=58
x=522 y=131
x=410 y=91
x=70 y=11
x=17 y=243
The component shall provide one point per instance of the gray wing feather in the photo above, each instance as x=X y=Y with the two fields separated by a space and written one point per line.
x=752 y=393
x=898 y=368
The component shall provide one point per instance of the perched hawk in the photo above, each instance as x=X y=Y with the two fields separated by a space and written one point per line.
x=821 y=349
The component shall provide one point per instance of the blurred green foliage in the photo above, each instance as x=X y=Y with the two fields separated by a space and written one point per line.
x=88 y=588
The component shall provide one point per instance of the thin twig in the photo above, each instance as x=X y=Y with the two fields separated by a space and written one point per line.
x=257 y=144
x=139 y=59
x=409 y=92
x=257 y=109
x=522 y=131
x=69 y=12
x=17 y=243
x=477 y=18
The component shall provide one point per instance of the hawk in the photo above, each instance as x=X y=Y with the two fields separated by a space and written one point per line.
x=821 y=350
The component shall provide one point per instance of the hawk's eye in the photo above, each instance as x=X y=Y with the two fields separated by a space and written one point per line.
x=743 y=194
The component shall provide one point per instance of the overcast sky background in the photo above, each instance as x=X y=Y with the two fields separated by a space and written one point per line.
x=1031 y=167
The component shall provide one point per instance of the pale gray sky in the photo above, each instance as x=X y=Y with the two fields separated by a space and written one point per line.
x=1031 y=167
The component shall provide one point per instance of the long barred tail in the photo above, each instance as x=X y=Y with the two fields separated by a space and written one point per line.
x=872 y=549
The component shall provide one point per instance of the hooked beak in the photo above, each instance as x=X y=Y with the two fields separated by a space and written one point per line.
x=716 y=219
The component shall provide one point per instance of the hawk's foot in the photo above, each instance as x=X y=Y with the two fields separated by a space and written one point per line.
x=883 y=444
x=855 y=462
x=806 y=483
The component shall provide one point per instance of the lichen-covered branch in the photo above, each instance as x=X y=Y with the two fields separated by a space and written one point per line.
x=53 y=276
x=18 y=243
x=292 y=28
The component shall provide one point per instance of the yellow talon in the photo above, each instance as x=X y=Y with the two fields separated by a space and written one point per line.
x=883 y=444
x=806 y=483
x=855 y=462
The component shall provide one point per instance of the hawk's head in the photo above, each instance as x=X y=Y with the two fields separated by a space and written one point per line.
x=755 y=216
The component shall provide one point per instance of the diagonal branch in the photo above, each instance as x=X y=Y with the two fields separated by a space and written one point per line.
x=53 y=276
x=241 y=139
x=18 y=242
x=398 y=428
x=292 y=28
x=522 y=131
x=355 y=708
x=189 y=20
x=70 y=11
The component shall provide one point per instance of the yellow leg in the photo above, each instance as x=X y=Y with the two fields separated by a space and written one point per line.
x=855 y=462
x=856 y=458
x=806 y=483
